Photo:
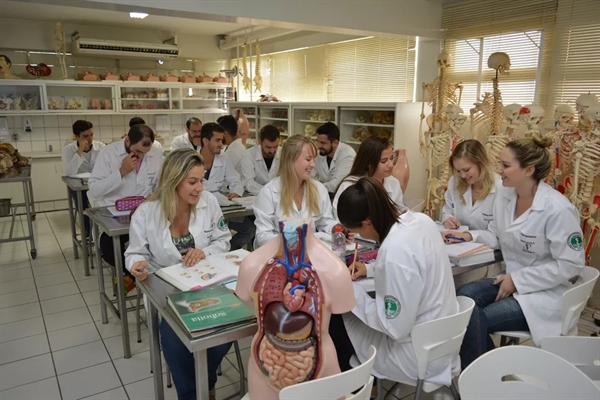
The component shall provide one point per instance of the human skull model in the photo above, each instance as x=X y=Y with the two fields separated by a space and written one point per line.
x=310 y=130
x=444 y=60
x=455 y=116
x=592 y=114
x=511 y=113
x=564 y=115
x=584 y=102
x=500 y=62
x=532 y=115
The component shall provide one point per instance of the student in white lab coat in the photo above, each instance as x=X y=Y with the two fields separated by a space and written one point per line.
x=179 y=223
x=261 y=162
x=80 y=156
x=374 y=159
x=293 y=193
x=125 y=168
x=190 y=139
x=335 y=158
x=538 y=231
x=219 y=175
x=413 y=285
x=235 y=149
x=140 y=121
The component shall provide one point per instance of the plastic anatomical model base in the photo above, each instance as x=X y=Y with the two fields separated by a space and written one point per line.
x=294 y=283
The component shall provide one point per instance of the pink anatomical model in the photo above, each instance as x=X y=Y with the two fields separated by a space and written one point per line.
x=294 y=283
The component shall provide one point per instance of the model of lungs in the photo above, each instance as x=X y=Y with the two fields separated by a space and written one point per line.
x=294 y=283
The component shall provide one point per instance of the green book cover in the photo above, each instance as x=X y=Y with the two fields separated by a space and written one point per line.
x=208 y=308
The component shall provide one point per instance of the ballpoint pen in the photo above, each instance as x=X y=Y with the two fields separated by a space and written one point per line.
x=455 y=238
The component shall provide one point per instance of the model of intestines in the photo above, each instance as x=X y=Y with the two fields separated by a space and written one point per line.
x=294 y=283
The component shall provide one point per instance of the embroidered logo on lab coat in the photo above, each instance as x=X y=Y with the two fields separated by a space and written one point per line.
x=222 y=224
x=392 y=307
x=575 y=241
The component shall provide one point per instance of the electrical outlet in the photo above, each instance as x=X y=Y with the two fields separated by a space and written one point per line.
x=27 y=125
x=15 y=137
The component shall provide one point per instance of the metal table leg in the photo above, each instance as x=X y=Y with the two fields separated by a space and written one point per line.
x=101 y=288
x=28 y=204
x=32 y=203
x=84 y=246
x=72 y=223
x=121 y=296
x=159 y=393
x=201 y=374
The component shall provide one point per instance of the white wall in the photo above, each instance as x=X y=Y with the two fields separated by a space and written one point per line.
x=427 y=70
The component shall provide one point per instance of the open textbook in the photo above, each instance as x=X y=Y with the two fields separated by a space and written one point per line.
x=469 y=253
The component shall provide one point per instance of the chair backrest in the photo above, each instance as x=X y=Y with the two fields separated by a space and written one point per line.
x=553 y=377
x=415 y=205
x=575 y=299
x=582 y=352
x=441 y=337
x=336 y=386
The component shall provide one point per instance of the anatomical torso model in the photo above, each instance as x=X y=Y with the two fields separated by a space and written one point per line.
x=294 y=283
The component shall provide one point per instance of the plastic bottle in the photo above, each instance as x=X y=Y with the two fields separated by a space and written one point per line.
x=338 y=240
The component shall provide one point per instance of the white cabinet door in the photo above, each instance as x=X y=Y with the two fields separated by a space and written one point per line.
x=46 y=176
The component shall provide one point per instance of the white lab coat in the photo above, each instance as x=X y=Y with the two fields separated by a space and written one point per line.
x=268 y=211
x=182 y=142
x=235 y=152
x=150 y=237
x=341 y=164
x=413 y=284
x=254 y=169
x=391 y=185
x=74 y=164
x=156 y=144
x=221 y=173
x=106 y=185
x=540 y=253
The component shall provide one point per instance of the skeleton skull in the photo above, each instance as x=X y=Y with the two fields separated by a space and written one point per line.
x=532 y=115
x=584 y=102
x=500 y=62
x=564 y=115
x=455 y=116
x=444 y=60
x=511 y=113
x=310 y=130
x=592 y=114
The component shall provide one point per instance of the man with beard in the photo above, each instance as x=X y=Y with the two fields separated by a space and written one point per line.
x=191 y=139
x=335 y=158
x=140 y=121
x=80 y=156
x=261 y=163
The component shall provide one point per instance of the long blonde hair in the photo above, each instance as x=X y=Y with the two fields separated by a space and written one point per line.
x=291 y=150
x=473 y=151
x=175 y=168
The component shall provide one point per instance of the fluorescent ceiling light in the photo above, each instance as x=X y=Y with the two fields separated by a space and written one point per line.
x=139 y=15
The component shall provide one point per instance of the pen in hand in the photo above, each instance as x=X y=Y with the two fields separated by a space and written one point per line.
x=459 y=239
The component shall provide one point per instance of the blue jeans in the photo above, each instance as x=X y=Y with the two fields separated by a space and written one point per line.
x=245 y=231
x=86 y=205
x=181 y=362
x=488 y=316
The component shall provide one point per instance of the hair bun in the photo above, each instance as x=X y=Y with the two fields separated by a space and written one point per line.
x=543 y=142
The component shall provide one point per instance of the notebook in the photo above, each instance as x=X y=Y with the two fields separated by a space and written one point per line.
x=469 y=253
x=462 y=228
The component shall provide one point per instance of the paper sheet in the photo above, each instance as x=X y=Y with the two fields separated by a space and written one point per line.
x=117 y=213
x=83 y=175
x=465 y=248
x=462 y=228
x=223 y=200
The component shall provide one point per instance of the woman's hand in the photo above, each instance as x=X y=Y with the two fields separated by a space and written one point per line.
x=192 y=257
x=507 y=287
x=360 y=270
x=451 y=223
x=140 y=270
x=456 y=237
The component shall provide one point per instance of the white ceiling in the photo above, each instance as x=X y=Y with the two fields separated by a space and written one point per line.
x=48 y=12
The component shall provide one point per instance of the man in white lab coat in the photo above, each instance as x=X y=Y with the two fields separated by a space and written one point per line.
x=140 y=121
x=261 y=163
x=191 y=139
x=129 y=167
x=79 y=157
x=219 y=174
x=235 y=149
x=335 y=158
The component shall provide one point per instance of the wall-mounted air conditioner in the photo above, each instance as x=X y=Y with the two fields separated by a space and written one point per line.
x=117 y=49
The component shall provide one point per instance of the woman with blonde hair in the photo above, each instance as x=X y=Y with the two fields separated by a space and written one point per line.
x=179 y=223
x=538 y=232
x=293 y=193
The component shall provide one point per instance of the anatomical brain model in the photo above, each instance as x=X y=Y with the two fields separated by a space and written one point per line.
x=294 y=283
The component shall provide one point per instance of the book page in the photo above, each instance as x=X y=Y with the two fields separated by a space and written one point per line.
x=223 y=200
x=464 y=249
x=246 y=201
x=462 y=228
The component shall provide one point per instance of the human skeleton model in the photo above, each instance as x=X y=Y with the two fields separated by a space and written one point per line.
x=532 y=115
x=563 y=138
x=586 y=153
x=257 y=77
x=246 y=79
x=61 y=50
x=511 y=115
x=582 y=104
x=435 y=143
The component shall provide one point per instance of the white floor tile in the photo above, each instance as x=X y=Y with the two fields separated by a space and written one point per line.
x=14 y=257
x=15 y=275
x=79 y=274
x=26 y=371
x=227 y=391
x=88 y=381
x=113 y=327
x=144 y=390
x=42 y=260
x=50 y=270
x=230 y=375
x=115 y=344
x=20 y=313
x=55 y=279
x=88 y=285
x=135 y=368
x=6 y=266
x=46 y=389
x=45 y=247
x=22 y=329
x=61 y=304
x=52 y=292
x=13 y=247
x=19 y=298
x=67 y=319
x=16 y=286
x=74 y=336
x=91 y=298
x=114 y=394
x=23 y=348
x=95 y=311
x=79 y=357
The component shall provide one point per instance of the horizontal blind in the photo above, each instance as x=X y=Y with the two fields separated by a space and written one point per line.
x=299 y=75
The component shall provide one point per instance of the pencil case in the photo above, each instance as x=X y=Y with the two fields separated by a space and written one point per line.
x=363 y=256
x=129 y=203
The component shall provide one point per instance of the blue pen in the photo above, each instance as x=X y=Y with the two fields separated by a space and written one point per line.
x=455 y=238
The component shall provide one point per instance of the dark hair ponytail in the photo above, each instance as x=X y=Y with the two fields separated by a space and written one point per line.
x=367 y=199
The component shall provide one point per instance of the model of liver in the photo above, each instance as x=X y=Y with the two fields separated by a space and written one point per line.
x=168 y=78
x=294 y=283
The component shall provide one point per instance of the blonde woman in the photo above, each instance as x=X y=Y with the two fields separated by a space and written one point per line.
x=293 y=193
x=179 y=223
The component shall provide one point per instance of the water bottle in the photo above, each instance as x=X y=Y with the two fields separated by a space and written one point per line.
x=338 y=240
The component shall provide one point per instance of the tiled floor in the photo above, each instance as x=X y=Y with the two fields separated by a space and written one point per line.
x=53 y=344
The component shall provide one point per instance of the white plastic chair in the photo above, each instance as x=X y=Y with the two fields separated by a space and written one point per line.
x=436 y=339
x=336 y=386
x=415 y=205
x=552 y=377
x=582 y=352
x=573 y=302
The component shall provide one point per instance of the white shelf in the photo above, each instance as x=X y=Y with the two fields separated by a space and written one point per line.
x=200 y=98
x=274 y=119
x=250 y=116
x=137 y=99
x=312 y=121
x=353 y=142
x=368 y=124
x=252 y=130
